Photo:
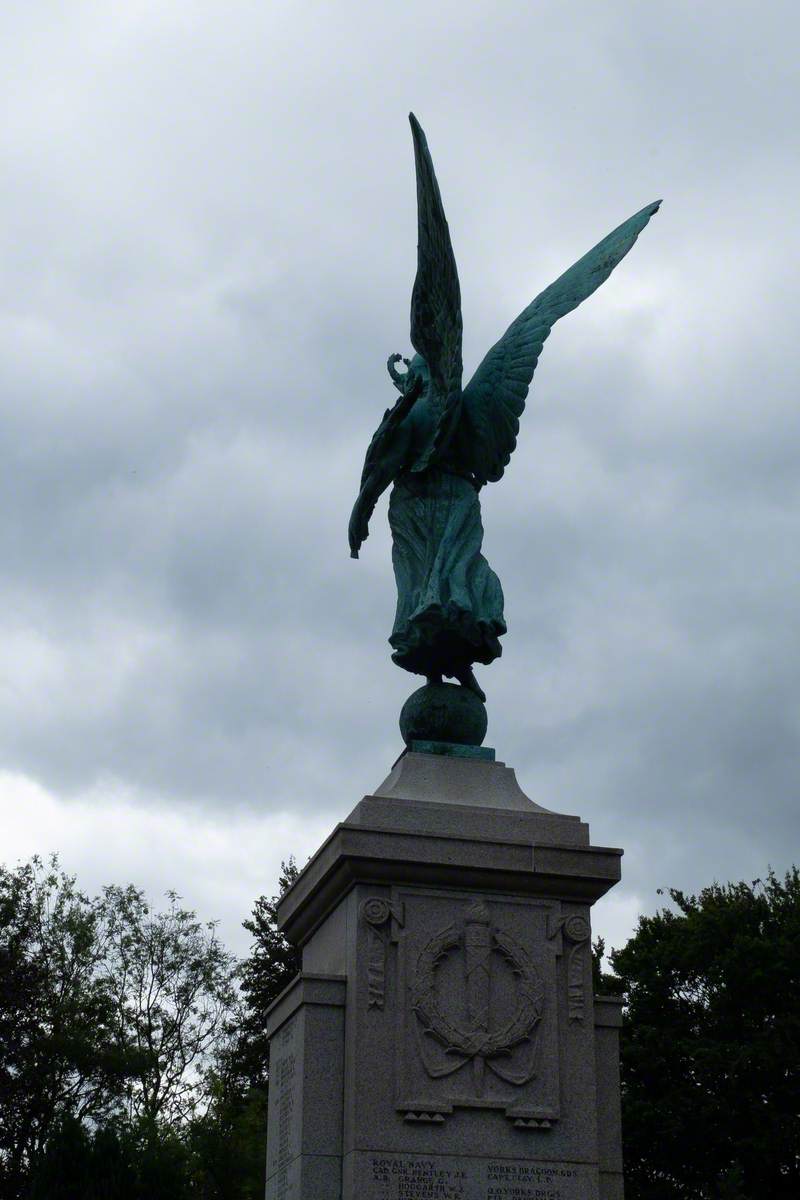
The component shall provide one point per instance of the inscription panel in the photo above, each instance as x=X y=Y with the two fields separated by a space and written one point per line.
x=285 y=1183
x=439 y=1177
x=285 y=1116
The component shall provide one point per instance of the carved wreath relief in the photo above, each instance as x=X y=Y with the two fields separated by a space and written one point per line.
x=474 y=1001
x=479 y=1031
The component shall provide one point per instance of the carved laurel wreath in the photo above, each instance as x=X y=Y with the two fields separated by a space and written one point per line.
x=471 y=1043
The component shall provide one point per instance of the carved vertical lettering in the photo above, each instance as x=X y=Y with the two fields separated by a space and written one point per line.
x=378 y=914
x=576 y=930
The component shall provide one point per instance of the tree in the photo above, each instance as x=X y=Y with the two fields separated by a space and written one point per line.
x=130 y=1066
x=171 y=981
x=112 y=1162
x=229 y=1139
x=270 y=966
x=110 y=1017
x=603 y=983
x=60 y=1055
x=228 y=1143
x=711 y=1045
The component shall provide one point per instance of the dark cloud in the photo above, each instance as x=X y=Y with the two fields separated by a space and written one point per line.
x=207 y=237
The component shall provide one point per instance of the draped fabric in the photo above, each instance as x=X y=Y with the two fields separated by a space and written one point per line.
x=449 y=600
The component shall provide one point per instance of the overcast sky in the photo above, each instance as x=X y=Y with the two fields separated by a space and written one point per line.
x=207 y=236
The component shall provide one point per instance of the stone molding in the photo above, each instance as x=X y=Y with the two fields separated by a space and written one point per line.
x=358 y=854
x=328 y=990
x=608 y=1011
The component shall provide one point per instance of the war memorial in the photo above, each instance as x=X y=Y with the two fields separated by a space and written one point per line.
x=442 y=1041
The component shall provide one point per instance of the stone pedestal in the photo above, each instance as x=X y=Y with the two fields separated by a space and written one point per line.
x=443 y=1041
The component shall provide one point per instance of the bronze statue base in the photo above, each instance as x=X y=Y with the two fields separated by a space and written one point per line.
x=444 y=712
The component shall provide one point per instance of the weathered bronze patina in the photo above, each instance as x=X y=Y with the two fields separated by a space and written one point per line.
x=441 y=443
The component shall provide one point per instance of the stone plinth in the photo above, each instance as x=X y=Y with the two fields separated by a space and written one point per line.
x=443 y=1041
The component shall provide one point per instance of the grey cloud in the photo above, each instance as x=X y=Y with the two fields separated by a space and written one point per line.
x=208 y=250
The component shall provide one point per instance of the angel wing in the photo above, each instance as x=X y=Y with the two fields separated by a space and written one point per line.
x=494 y=399
x=436 y=325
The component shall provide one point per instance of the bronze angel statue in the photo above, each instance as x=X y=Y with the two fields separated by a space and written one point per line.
x=441 y=443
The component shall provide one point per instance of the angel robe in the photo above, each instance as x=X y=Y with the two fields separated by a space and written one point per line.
x=449 y=600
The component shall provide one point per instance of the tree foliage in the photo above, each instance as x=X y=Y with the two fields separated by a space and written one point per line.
x=171 y=982
x=113 y=1161
x=110 y=1017
x=230 y=1138
x=711 y=1045
x=60 y=1053
x=270 y=967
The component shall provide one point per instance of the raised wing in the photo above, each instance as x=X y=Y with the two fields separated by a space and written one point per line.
x=495 y=397
x=436 y=324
